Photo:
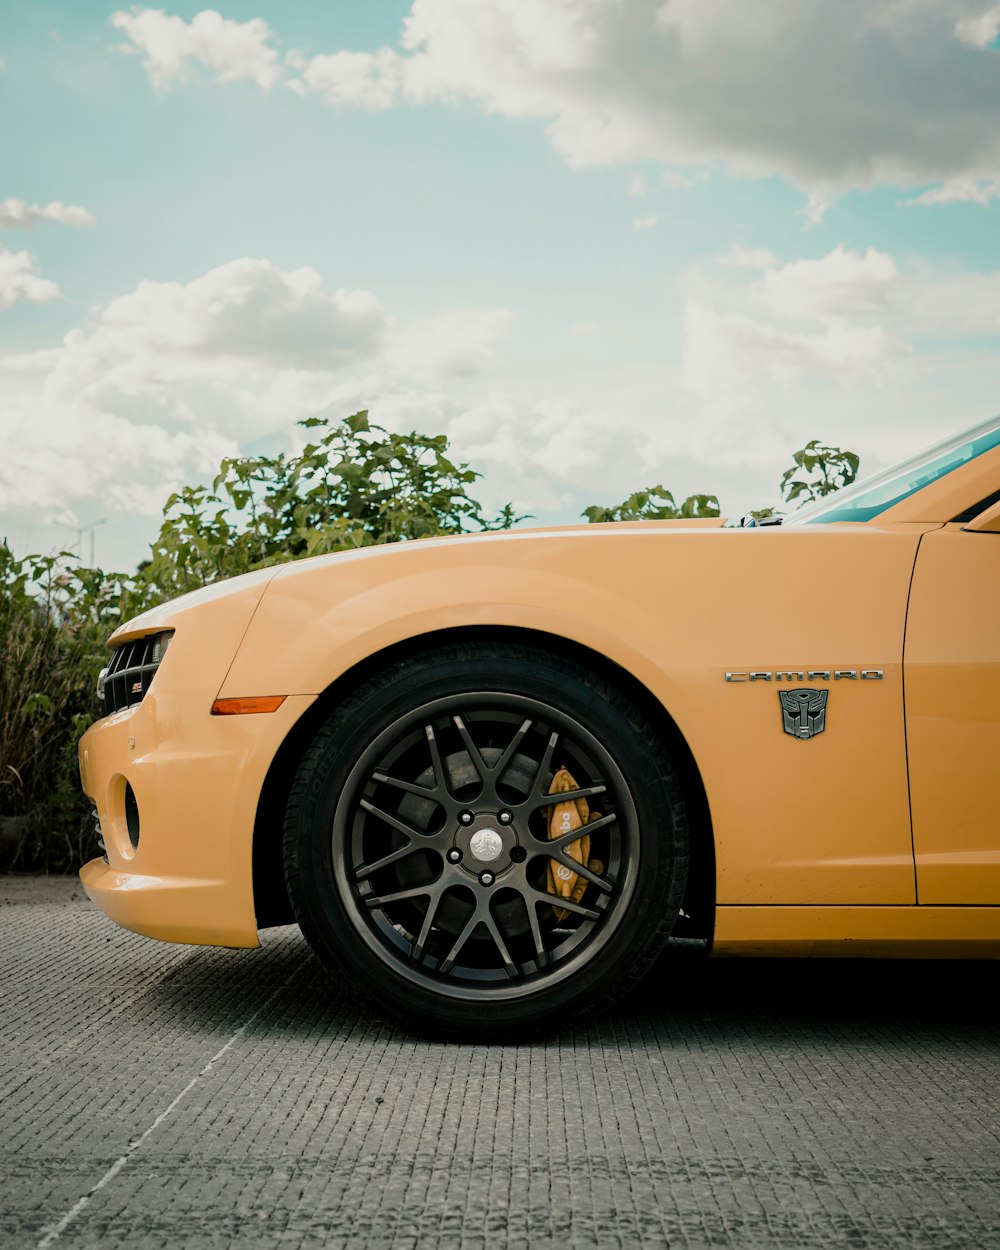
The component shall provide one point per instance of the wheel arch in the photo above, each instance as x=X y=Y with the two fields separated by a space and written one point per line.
x=271 y=903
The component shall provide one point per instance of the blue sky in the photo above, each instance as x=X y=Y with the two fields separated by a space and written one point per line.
x=599 y=244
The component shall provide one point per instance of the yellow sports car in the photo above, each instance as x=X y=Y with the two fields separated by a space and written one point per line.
x=492 y=776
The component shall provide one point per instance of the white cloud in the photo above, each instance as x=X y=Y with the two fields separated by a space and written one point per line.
x=773 y=325
x=949 y=306
x=671 y=180
x=247 y=308
x=840 y=285
x=845 y=95
x=352 y=79
x=232 y=51
x=862 y=289
x=637 y=185
x=838 y=340
x=730 y=356
x=170 y=377
x=967 y=190
x=671 y=81
x=17 y=215
x=449 y=345
x=816 y=207
x=544 y=455
x=155 y=388
x=645 y=223
x=741 y=257
x=981 y=29
x=18 y=280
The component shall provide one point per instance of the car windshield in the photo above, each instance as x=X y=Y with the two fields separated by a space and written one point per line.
x=866 y=499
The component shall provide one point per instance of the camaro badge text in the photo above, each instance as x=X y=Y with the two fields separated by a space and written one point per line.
x=812 y=674
x=803 y=712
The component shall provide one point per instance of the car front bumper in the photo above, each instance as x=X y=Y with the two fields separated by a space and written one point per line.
x=197 y=779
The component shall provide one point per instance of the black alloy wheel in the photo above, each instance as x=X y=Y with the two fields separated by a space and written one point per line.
x=418 y=852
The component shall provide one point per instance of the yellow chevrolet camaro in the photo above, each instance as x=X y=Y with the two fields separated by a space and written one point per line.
x=492 y=776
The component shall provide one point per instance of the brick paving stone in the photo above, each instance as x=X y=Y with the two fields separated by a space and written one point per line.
x=750 y=1104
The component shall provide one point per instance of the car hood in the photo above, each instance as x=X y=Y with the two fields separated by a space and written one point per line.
x=492 y=537
x=251 y=586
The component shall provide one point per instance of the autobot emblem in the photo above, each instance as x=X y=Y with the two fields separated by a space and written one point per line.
x=803 y=712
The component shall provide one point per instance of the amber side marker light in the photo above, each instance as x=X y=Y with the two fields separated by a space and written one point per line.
x=244 y=707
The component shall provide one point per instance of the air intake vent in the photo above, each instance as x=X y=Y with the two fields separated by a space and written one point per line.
x=131 y=671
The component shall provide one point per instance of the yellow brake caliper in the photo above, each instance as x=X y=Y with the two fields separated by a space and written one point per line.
x=563 y=818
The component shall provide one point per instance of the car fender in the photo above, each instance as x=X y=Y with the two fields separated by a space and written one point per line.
x=819 y=822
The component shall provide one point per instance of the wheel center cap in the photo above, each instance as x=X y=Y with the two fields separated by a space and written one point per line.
x=486 y=844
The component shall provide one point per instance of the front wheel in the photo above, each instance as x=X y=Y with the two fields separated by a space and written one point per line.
x=486 y=840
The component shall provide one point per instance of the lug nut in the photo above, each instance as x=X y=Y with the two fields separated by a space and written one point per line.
x=454 y=856
x=505 y=818
x=486 y=878
x=466 y=818
x=518 y=854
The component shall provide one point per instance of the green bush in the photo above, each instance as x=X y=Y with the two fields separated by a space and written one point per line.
x=354 y=484
x=655 y=503
x=54 y=620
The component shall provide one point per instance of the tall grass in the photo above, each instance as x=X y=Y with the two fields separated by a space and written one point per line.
x=54 y=620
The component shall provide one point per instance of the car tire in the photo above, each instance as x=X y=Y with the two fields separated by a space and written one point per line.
x=448 y=756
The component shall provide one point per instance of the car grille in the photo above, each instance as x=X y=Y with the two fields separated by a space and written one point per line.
x=100 y=834
x=131 y=671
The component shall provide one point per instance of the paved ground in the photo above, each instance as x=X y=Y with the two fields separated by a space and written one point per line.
x=176 y=1096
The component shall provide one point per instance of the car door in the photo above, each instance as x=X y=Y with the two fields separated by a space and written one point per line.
x=951 y=668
